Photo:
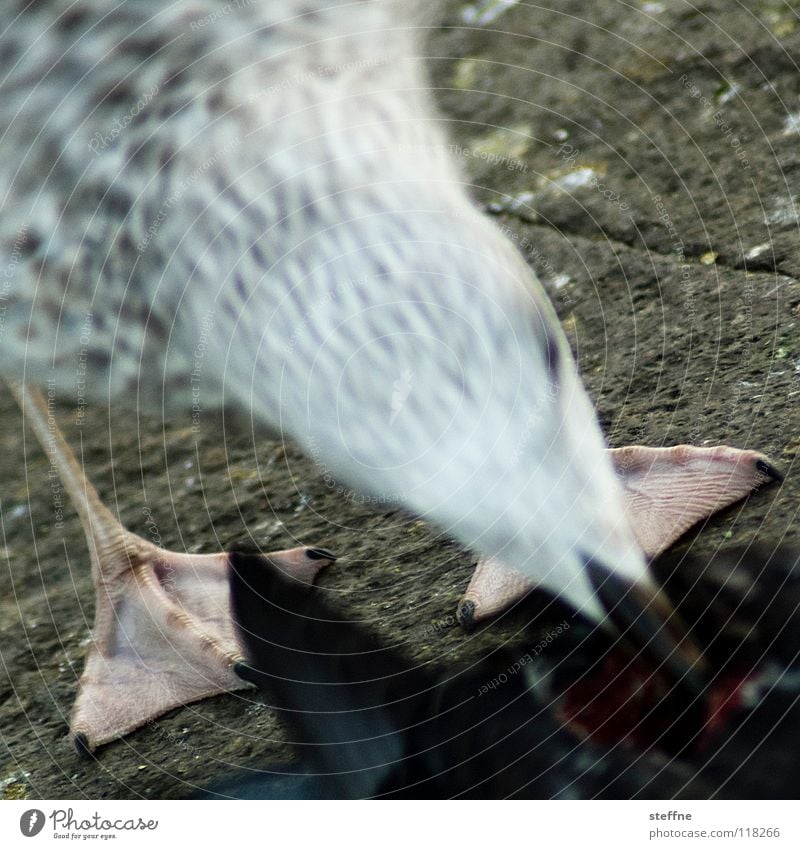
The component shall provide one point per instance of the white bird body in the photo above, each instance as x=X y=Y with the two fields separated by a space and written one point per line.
x=260 y=208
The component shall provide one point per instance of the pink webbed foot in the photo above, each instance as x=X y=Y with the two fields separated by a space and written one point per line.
x=667 y=491
x=163 y=635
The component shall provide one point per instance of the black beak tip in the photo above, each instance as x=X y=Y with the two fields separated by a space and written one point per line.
x=607 y=585
x=650 y=629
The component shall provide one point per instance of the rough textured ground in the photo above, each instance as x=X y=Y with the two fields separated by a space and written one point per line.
x=645 y=156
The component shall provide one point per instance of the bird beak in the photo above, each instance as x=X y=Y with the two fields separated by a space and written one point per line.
x=646 y=619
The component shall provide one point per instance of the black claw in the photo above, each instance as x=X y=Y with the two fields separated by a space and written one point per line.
x=82 y=746
x=320 y=554
x=769 y=470
x=243 y=670
x=466 y=615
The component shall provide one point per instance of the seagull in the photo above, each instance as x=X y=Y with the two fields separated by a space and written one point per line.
x=255 y=208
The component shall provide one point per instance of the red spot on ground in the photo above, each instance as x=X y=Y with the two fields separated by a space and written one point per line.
x=622 y=701
x=724 y=700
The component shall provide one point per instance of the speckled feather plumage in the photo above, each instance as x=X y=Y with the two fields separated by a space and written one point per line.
x=286 y=197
